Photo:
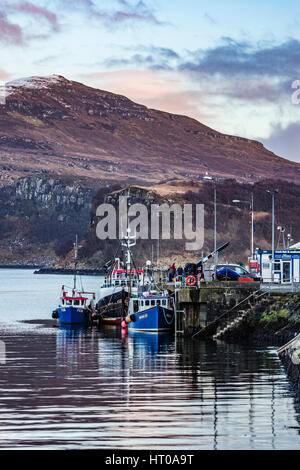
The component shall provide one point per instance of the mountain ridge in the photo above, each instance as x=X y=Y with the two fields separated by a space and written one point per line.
x=56 y=127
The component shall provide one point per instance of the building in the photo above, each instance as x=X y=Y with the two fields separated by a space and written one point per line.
x=286 y=264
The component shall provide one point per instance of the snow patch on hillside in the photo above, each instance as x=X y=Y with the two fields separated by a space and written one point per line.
x=34 y=82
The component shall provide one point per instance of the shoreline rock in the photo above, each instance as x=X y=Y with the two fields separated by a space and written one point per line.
x=82 y=272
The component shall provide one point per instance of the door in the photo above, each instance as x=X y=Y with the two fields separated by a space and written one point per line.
x=286 y=271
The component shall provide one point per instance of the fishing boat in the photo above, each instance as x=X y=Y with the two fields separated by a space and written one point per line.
x=76 y=307
x=122 y=282
x=151 y=311
x=123 y=274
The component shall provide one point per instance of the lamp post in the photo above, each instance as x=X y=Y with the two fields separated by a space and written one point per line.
x=210 y=178
x=273 y=228
x=236 y=201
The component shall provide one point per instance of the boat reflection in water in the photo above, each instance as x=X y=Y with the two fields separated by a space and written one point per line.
x=76 y=347
x=145 y=343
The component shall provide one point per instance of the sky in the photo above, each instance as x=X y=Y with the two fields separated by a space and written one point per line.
x=233 y=65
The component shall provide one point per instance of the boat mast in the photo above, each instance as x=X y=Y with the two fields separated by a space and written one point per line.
x=75 y=260
x=128 y=242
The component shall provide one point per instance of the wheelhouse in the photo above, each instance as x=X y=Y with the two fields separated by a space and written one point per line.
x=73 y=301
x=123 y=278
x=145 y=303
x=74 y=298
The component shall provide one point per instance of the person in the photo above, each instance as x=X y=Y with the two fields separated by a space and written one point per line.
x=173 y=267
x=179 y=273
x=171 y=272
x=201 y=270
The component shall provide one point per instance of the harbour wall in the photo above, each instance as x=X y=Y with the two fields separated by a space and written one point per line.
x=201 y=306
x=270 y=317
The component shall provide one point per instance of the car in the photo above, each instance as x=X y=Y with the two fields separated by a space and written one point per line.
x=240 y=270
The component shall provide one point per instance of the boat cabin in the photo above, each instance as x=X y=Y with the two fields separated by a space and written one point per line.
x=144 y=303
x=73 y=301
x=123 y=277
x=74 y=298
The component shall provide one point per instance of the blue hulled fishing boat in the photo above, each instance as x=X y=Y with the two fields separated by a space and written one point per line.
x=76 y=307
x=151 y=312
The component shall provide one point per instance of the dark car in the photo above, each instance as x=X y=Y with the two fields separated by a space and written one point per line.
x=240 y=270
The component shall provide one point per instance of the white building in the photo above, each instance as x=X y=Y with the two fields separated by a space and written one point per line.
x=286 y=266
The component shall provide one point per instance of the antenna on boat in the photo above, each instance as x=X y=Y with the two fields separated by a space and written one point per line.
x=76 y=247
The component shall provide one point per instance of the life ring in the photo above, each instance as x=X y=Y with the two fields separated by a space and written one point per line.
x=192 y=282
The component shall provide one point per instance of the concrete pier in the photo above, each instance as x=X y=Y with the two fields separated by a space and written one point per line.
x=197 y=307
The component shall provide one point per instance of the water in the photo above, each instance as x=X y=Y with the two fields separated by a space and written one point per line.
x=83 y=388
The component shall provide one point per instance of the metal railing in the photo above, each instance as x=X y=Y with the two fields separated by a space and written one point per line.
x=293 y=287
x=228 y=315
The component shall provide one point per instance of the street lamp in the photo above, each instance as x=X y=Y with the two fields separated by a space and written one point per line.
x=236 y=201
x=273 y=227
x=210 y=178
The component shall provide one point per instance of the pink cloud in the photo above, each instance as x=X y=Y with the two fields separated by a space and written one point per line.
x=10 y=33
x=4 y=76
x=31 y=9
x=120 y=16
x=152 y=88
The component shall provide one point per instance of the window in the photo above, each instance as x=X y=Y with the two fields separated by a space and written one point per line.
x=239 y=270
x=147 y=303
x=164 y=302
x=152 y=302
x=277 y=265
x=158 y=302
x=76 y=302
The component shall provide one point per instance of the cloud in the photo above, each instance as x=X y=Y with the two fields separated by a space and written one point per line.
x=10 y=33
x=4 y=76
x=237 y=70
x=210 y=19
x=121 y=12
x=29 y=8
x=13 y=33
x=152 y=89
x=285 y=141
x=150 y=57
x=231 y=58
x=139 y=11
x=242 y=59
x=251 y=90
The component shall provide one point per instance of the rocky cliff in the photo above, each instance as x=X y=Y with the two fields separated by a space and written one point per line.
x=39 y=218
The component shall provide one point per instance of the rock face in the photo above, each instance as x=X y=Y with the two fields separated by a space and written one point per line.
x=53 y=193
x=58 y=128
x=39 y=219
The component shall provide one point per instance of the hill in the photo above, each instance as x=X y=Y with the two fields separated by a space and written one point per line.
x=54 y=127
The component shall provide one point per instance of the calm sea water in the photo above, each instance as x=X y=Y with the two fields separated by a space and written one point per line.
x=63 y=388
